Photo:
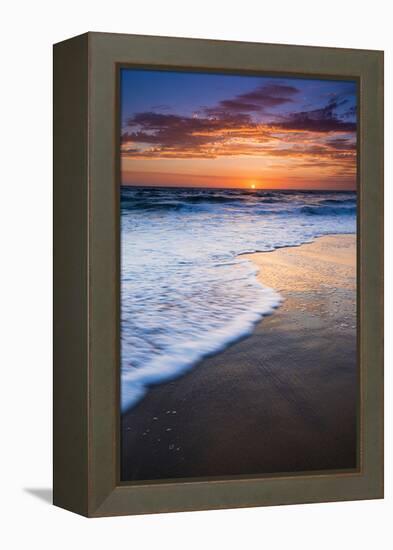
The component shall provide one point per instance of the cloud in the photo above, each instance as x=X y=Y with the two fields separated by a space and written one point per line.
x=350 y=113
x=170 y=130
x=152 y=134
x=342 y=144
x=268 y=95
x=211 y=125
x=324 y=119
x=307 y=138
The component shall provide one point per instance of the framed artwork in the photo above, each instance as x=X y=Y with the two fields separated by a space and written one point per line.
x=218 y=291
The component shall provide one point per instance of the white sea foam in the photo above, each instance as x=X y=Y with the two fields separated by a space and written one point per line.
x=186 y=354
x=186 y=291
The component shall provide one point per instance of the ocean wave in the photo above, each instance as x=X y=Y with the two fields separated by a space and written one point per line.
x=328 y=210
x=267 y=207
x=342 y=201
x=186 y=290
x=183 y=357
x=132 y=204
x=258 y=202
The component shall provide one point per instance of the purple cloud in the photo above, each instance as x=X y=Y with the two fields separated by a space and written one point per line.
x=324 y=119
x=269 y=95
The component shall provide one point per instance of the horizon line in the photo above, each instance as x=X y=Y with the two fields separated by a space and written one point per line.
x=239 y=188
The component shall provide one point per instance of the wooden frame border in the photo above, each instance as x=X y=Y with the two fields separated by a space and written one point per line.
x=86 y=274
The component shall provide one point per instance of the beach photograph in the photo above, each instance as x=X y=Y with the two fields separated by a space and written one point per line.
x=238 y=266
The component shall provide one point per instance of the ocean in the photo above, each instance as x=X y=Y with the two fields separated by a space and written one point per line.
x=186 y=290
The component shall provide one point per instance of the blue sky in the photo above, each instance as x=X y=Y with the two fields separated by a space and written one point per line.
x=211 y=124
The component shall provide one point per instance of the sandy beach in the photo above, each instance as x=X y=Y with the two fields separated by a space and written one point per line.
x=282 y=400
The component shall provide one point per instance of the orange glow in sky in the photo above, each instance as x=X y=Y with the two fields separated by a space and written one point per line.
x=208 y=130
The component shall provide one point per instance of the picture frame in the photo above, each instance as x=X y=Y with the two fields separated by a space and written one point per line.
x=86 y=275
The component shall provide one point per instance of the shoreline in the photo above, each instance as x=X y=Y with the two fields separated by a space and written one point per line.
x=282 y=270
x=260 y=406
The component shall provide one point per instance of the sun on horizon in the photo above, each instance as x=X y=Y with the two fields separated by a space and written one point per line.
x=190 y=129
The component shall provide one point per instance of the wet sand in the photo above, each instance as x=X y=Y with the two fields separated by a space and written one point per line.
x=282 y=400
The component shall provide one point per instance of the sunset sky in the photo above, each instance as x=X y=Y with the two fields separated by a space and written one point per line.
x=215 y=130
